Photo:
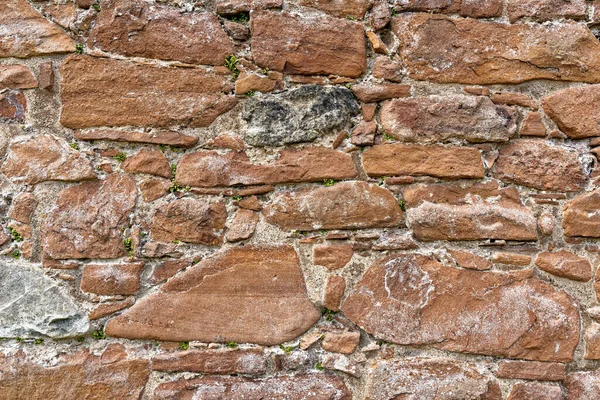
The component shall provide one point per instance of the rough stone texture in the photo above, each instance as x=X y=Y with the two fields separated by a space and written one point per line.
x=151 y=162
x=535 y=391
x=574 y=111
x=583 y=385
x=444 y=50
x=345 y=205
x=592 y=342
x=190 y=220
x=25 y=33
x=344 y=343
x=17 y=77
x=22 y=207
x=540 y=165
x=227 y=362
x=156 y=137
x=87 y=219
x=340 y=8
x=546 y=9
x=439 y=118
x=565 y=264
x=533 y=125
x=334 y=256
x=373 y=93
x=111 y=279
x=312 y=164
x=136 y=28
x=12 y=106
x=334 y=291
x=319 y=45
x=298 y=387
x=232 y=296
x=581 y=217
x=299 y=115
x=81 y=376
x=532 y=370
x=55 y=314
x=107 y=92
x=412 y=299
x=34 y=159
x=438 y=161
x=231 y=7
x=429 y=378
x=242 y=226
x=468 y=260
x=105 y=309
x=478 y=211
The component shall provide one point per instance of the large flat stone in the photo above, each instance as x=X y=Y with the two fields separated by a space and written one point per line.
x=575 y=111
x=438 y=118
x=25 y=33
x=246 y=294
x=34 y=305
x=313 y=164
x=580 y=215
x=299 y=115
x=459 y=50
x=137 y=28
x=411 y=299
x=108 y=92
x=345 y=205
x=87 y=219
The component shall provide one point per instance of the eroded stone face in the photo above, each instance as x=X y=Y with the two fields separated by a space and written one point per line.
x=546 y=9
x=581 y=215
x=477 y=9
x=81 y=376
x=429 y=378
x=34 y=159
x=136 y=28
x=190 y=220
x=312 y=164
x=232 y=296
x=298 y=387
x=108 y=92
x=438 y=118
x=455 y=50
x=345 y=205
x=414 y=300
x=575 y=111
x=540 y=165
x=87 y=220
x=299 y=115
x=25 y=33
x=308 y=45
x=34 y=305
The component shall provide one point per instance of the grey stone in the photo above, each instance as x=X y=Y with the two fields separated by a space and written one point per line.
x=299 y=115
x=34 y=305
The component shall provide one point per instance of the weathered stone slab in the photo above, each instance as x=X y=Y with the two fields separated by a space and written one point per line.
x=87 y=220
x=456 y=50
x=233 y=296
x=107 y=92
x=580 y=215
x=575 y=111
x=299 y=115
x=345 y=205
x=34 y=305
x=136 y=28
x=411 y=299
x=223 y=362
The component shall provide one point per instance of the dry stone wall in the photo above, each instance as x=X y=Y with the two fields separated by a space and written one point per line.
x=299 y=199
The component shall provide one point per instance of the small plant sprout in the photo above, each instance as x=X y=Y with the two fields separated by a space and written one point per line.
x=319 y=366
x=402 y=204
x=38 y=341
x=120 y=157
x=388 y=137
x=99 y=334
x=323 y=232
x=74 y=146
x=329 y=182
x=19 y=339
x=236 y=198
x=128 y=244
x=381 y=180
x=176 y=241
x=96 y=6
x=351 y=18
x=265 y=71
x=250 y=93
x=184 y=345
x=241 y=18
x=394 y=12
x=80 y=339
x=79 y=48
x=231 y=345
x=16 y=254
x=231 y=64
x=16 y=236
x=329 y=314
x=286 y=349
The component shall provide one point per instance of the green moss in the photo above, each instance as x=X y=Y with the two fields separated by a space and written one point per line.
x=329 y=182
x=128 y=244
x=286 y=349
x=16 y=254
x=38 y=341
x=99 y=334
x=183 y=345
x=96 y=6
x=16 y=236
x=329 y=314
x=402 y=204
x=79 y=48
x=74 y=146
x=231 y=64
x=120 y=157
x=231 y=345
x=241 y=18
x=319 y=366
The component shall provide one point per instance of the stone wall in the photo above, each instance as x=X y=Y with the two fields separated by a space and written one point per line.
x=299 y=199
